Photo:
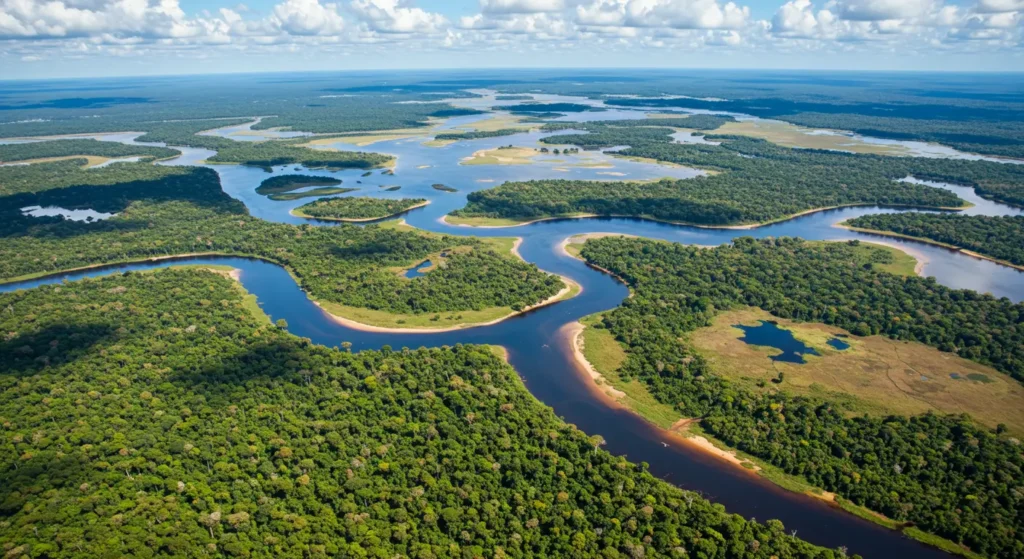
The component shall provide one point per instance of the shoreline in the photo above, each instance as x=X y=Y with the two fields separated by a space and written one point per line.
x=569 y=284
x=743 y=227
x=296 y=213
x=41 y=275
x=967 y=252
x=610 y=396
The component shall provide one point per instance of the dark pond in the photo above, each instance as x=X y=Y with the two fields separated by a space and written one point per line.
x=838 y=344
x=770 y=335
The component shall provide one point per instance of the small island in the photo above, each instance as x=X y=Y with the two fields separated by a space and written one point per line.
x=357 y=209
x=283 y=187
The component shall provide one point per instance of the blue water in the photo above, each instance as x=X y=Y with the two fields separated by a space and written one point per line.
x=537 y=342
x=838 y=344
x=770 y=335
x=418 y=270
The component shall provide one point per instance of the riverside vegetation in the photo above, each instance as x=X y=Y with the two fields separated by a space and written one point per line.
x=357 y=208
x=153 y=414
x=751 y=181
x=165 y=211
x=998 y=237
x=942 y=473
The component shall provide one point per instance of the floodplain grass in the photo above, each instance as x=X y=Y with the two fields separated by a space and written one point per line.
x=875 y=375
x=793 y=136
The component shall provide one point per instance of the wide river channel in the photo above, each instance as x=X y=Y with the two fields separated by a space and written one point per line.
x=538 y=343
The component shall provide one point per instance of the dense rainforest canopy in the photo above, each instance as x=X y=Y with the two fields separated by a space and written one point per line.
x=1000 y=237
x=943 y=473
x=165 y=211
x=64 y=148
x=150 y=414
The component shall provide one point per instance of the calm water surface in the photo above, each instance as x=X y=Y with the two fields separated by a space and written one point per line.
x=537 y=341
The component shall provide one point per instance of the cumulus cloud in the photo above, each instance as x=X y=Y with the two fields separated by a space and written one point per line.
x=307 y=17
x=520 y=6
x=394 y=16
x=881 y=10
x=676 y=14
x=997 y=6
x=36 y=29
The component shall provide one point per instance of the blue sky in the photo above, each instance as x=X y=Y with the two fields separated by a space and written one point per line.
x=65 y=38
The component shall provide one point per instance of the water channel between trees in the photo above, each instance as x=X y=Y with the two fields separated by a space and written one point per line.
x=538 y=342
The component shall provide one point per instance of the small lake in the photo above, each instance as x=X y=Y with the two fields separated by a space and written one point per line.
x=418 y=270
x=839 y=344
x=769 y=334
x=73 y=215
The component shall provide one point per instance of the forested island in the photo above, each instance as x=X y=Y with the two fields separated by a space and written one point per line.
x=546 y=108
x=173 y=420
x=999 y=238
x=751 y=181
x=944 y=474
x=477 y=134
x=80 y=147
x=164 y=211
x=283 y=187
x=357 y=208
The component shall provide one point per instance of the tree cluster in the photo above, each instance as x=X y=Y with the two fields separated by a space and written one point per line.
x=943 y=473
x=149 y=414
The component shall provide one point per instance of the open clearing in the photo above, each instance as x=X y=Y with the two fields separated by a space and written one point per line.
x=790 y=135
x=502 y=156
x=875 y=375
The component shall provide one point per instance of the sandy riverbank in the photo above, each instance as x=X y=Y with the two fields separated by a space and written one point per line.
x=569 y=285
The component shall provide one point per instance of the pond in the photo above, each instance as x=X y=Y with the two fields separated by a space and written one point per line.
x=418 y=270
x=770 y=335
x=839 y=344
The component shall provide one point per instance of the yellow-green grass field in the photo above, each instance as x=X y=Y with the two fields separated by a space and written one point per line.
x=876 y=375
x=606 y=355
x=502 y=156
x=791 y=135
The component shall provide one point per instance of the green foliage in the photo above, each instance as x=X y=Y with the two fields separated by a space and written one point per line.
x=942 y=473
x=151 y=415
x=754 y=181
x=964 y=123
x=187 y=212
x=282 y=184
x=1000 y=237
x=444 y=187
x=64 y=148
x=40 y=177
x=546 y=108
x=357 y=207
x=476 y=135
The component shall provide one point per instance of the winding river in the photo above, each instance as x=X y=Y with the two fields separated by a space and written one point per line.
x=538 y=342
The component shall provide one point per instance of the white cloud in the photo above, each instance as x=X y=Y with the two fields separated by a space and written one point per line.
x=881 y=10
x=675 y=14
x=307 y=17
x=392 y=16
x=996 y=6
x=520 y=6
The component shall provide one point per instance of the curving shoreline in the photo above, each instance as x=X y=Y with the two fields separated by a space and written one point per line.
x=971 y=253
x=743 y=227
x=563 y=294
